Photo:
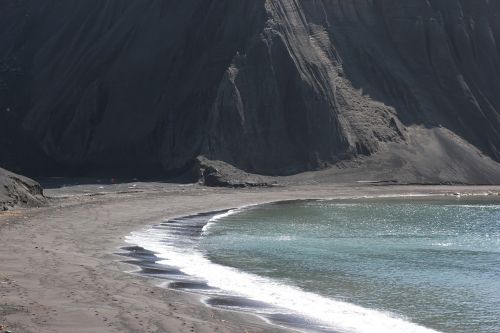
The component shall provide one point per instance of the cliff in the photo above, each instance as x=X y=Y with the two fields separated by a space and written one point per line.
x=408 y=88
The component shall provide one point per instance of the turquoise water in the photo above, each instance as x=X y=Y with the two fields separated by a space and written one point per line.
x=434 y=263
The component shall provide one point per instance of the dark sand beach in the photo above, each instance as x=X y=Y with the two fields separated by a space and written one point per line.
x=60 y=271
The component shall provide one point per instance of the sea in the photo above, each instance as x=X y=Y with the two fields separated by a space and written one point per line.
x=416 y=264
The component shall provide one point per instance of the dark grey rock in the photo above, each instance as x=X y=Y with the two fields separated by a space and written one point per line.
x=16 y=190
x=275 y=87
x=220 y=174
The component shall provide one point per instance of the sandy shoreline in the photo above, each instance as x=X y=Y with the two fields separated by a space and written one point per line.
x=59 y=272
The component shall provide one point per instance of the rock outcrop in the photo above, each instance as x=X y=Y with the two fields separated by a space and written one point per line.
x=17 y=190
x=273 y=87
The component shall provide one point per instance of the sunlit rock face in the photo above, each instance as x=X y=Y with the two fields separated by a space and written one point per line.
x=269 y=86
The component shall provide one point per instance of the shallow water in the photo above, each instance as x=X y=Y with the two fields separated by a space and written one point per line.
x=350 y=266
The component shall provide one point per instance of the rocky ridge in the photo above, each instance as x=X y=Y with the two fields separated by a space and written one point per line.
x=17 y=190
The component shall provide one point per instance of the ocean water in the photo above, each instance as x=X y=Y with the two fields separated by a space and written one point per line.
x=392 y=265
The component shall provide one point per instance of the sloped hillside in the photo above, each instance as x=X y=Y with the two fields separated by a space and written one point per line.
x=269 y=86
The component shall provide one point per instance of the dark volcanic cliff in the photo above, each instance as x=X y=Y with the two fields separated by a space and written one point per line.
x=269 y=86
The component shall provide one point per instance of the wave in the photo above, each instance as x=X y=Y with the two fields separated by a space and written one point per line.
x=327 y=313
x=216 y=217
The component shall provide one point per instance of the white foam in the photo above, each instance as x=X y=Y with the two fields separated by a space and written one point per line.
x=211 y=222
x=442 y=244
x=286 y=238
x=492 y=206
x=338 y=315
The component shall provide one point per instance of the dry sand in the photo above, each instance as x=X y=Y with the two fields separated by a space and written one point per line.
x=59 y=273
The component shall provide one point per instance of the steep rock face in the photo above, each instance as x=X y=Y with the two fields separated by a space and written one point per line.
x=117 y=85
x=356 y=73
x=291 y=82
x=270 y=86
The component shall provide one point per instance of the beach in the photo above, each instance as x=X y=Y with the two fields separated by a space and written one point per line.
x=60 y=272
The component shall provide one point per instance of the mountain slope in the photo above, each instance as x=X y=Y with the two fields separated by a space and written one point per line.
x=269 y=86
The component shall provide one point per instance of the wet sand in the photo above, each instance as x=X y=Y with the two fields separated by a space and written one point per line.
x=59 y=271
